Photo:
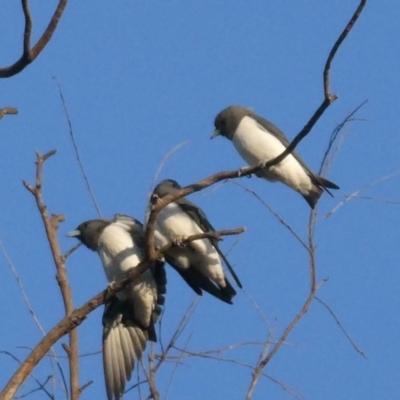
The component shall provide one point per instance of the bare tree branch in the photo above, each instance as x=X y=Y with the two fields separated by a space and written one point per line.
x=51 y=224
x=30 y=54
x=8 y=111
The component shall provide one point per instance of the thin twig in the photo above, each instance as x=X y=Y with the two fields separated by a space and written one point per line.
x=356 y=348
x=152 y=384
x=70 y=251
x=334 y=136
x=274 y=213
x=78 y=157
x=176 y=366
x=355 y=194
x=163 y=162
x=37 y=380
x=178 y=331
x=217 y=235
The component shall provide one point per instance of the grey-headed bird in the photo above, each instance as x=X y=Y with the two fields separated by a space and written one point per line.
x=258 y=140
x=199 y=262
x=129 y=319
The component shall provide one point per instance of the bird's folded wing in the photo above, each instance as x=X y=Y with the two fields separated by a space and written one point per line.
x=201 y=220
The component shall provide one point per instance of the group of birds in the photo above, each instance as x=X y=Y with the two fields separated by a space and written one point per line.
x=129 y=319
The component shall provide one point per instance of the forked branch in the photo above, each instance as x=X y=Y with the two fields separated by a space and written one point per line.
x=29 y=54
x=51 y=224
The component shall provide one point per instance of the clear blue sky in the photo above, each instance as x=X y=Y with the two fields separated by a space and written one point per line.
x=141 y=77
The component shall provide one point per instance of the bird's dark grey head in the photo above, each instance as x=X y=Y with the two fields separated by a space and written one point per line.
x=166 y=187
x=88 y=232
x=227 y=121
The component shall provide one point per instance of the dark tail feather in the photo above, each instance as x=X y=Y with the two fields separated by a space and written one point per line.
x=228 y=291
x=327 y=184
x=229 y=266
x=199 y=282
x=313 y=196
x=320 y=184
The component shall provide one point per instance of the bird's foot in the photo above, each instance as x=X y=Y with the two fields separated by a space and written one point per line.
x=179 y=241
x=111 y=286
x=241 y=170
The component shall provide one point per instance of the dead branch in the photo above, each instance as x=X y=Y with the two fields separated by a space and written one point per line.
x=51 y=224
x=29 y=54
x=8 y=111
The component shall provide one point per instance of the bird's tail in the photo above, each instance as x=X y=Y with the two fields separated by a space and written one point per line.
x=228 y=292
x=124 y=342
x=320 y=184
x=198 y=282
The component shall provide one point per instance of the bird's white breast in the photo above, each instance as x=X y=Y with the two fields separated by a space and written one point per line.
x=257 y=145
x=174 y=223
x=254 y=144
x=117 y=251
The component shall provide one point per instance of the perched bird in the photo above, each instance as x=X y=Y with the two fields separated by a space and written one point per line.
x=128 y=320
x=198 y=262
x=258 y=140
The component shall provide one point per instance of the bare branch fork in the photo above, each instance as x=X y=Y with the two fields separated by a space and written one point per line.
x=51 y=224
x=29 y=54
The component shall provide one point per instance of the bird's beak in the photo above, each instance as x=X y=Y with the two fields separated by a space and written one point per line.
x=215 y=134
x=74 y=233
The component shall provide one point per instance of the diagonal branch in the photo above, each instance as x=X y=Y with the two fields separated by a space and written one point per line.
x=29 y=54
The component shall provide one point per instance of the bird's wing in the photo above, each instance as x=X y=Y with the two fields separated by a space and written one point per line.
x=272 y=129
x=198 y=282
x=134 y=227
x=201 y=220
x=158 y=271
